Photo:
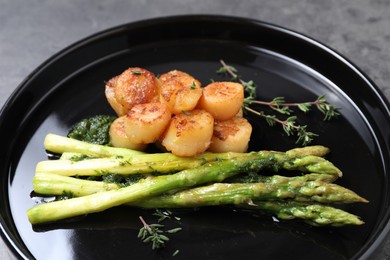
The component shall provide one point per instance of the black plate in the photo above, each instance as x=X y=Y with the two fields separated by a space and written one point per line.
x=69 y=87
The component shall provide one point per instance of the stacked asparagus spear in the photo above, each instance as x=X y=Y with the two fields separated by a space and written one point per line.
x=210 y=179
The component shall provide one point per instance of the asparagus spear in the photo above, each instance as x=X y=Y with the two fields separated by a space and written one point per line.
x=59 y=144
x=314 y=214
x=300 y=188
x=242 y=193
x=167 y=162
x=216 y=171
x=53 y=184
x=210 y=172
x=145 y=163
x=127 y=161
x=316 y=150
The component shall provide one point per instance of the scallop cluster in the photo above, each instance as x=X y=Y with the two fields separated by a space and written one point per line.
x=175 y=112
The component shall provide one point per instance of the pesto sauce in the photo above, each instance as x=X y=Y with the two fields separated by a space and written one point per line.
x=65 y=196
x=93 y=130
x=123 y=180
x=80 y=157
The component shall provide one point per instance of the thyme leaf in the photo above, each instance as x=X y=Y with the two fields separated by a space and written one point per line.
x=162 y=215
x=193 y=85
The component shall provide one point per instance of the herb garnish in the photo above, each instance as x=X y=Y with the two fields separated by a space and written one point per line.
x=154 y=233
x=136 y=72
x=278 y=104
x=193 y=86
x=162 y=215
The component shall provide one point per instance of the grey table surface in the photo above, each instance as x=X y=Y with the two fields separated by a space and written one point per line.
x=33 y=30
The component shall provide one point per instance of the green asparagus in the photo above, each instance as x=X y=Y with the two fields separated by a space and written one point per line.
x=152 y=186
x=53 y=184
x=300 y=188
x=167 y=163
x=286 y=197
x=210 y=172
x=314 y=214
x=241 y=193
x=309 y=187
x=316 y=150
x=59 y=144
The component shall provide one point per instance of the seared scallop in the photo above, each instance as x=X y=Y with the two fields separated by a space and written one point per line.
x=134 y=86
x=189 y=133
x=145 y=123
x=119 y=138
x=232 y=135
x=180 y=91
x=223 y=100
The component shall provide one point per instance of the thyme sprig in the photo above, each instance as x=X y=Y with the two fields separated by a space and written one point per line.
x=155 y=233
x=278 y=104
x=152 y=233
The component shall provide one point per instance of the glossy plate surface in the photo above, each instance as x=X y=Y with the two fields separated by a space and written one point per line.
x=70 y=86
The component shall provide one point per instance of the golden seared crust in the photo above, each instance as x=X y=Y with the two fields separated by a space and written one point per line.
x=189 y=133
x=119 y=138
x=145 y=123
x=134 y=86
x=180 y=91
x=148 y=113
x=224 y=129
x=232 y=135
x=221 y=89
x=222 y=99
x=172 y=74
x=187 y=122
x=119 y=127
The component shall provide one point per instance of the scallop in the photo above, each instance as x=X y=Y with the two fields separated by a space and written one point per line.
x=232 y=135
x=223 y=100
x=134 y=86
x=119 y=138
x=189 y=134
x=145 y=123
x=180 y=91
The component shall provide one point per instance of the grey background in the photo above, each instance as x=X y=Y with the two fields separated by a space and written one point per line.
x=33 y=30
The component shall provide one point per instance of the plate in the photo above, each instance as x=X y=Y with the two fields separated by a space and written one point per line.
x=70 y=86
